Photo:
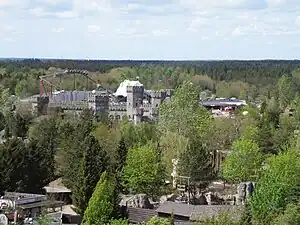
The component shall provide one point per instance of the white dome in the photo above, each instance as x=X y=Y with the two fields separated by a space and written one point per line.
x=122 y=89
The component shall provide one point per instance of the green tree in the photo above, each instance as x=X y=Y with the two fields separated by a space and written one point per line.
x=185 y=101
x=277 y=186
x=243 y=162
x=173 y=146
x=296 y=114
x=110 y=139
x=45 y=134
x=284 y=134
x=183 y=117
x=24 y=168
x=93 y=163
x=118 y=222
x=290 y=216
x=72 y=143
x=39 y=167
x=268 y=124
x=143 y=172
x=158 y=221
x=19 y=126
x=101 y=206
x=122 y=151
x=43 y=220
x=13 y=153
x=21 y=88
x=223 y=219
x=285 y=91
x=139 y=134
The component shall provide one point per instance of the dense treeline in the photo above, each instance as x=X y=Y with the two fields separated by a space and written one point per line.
x=248 y=71
x=240 y=79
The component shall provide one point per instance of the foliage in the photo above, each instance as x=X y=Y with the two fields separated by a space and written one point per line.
x=189 y=129
x=101 y=206
x=173 y=145
x=277 y=186
x=139 y=134
x=143 y=171
x=185 y=101
x=43 y=220
x=158 y=221
x=24 y=168
x=223 y=219
x=243 y=162
x=290 y=216
x=92 y=164
x=110 y=139
x=118 y=222
x=195 y=162
x=71 y=145
x=285 y=91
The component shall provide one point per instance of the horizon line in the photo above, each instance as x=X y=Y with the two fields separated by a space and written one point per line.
x=162 y=60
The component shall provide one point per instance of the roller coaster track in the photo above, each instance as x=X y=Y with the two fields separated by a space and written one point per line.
x=47 y=87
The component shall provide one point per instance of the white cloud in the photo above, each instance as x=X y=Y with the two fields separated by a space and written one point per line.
x=283 y=4
x=9 y=40
x=13 y=3
x=297 y=21
x=93 y=28
x=58 y=29
x=159 y=33
x=225 y=4
x=142 y=24
x=197 y=23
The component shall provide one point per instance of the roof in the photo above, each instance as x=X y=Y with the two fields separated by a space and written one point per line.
x=202 y=212
x=56 y=186
x=57 y=189
x=122 y=89
x=199 y=212
x=177 y=208
x=223 y=102
x=66 y=210
x=47 y=203
x=69 y=210
x=139 y=215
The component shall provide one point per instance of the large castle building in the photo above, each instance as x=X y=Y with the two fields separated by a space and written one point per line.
x=130 y=101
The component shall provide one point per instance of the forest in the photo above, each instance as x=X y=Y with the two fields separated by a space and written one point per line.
x=99 y=159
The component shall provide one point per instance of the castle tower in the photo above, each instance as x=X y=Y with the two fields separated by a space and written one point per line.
x=157 y=97
x=41 y=105
x=135 y=96
x=98 y=102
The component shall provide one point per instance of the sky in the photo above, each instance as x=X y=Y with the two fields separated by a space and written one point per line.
x=150 y=29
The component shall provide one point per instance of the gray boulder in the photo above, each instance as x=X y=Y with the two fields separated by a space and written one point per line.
x=139 y=201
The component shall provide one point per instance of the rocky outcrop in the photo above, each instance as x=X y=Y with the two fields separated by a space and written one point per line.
x=137 y=201
x=140 y=201
x=244 y=191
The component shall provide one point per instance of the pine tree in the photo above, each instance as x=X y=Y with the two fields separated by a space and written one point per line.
x=92 y=164
x=39 y=167
x=13 y=165
x=122 y=151
x=101 y=206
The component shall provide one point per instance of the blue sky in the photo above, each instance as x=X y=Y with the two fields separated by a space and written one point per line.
x=150 y=29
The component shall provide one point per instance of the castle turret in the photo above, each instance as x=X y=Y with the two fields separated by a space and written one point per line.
x=98 y=101
x=157 y=97
x=135 y=96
